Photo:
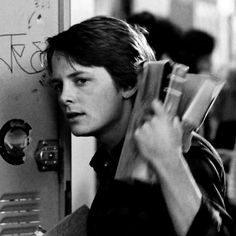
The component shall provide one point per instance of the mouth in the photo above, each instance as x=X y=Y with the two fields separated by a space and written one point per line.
x=73 y=115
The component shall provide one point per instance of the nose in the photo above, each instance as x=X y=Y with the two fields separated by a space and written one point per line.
x=67 y=94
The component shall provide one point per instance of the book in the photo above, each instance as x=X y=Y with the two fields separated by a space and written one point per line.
x=188 y=96
x=74 y=224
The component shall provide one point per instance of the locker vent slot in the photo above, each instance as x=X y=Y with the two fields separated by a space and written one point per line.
x=19 y=213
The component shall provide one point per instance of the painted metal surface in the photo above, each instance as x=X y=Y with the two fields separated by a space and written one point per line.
x=24 y=26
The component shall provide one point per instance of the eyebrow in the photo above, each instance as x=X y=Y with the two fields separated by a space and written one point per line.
x=76 y=73
x=72 y=75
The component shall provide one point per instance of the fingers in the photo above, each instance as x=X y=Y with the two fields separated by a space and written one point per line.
x=187 y=141
x=177 y=124
x=142 y=130
x=155 y=113
x=152 y=111
x=159 y=124
x=158 y=108
x=159 y=117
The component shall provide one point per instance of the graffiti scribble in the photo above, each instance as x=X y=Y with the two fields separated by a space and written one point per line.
x=17 y=51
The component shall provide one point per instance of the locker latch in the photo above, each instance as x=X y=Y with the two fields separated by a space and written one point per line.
x=46 y=155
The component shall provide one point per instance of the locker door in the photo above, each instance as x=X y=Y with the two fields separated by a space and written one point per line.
x=28 y=196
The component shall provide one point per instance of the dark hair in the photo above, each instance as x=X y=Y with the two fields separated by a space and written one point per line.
x=103 y=41
x=198 y=42
x=195 y=45
x=164 y=36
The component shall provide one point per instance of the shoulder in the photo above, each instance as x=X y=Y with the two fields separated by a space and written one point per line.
x=207 y=168
x=201 y=146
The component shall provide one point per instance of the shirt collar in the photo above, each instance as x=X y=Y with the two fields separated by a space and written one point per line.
x=105 y=163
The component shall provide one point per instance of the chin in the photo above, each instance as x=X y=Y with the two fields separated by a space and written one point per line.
x=80 y=132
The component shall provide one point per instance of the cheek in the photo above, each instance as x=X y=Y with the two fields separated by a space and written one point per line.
x=108 y=103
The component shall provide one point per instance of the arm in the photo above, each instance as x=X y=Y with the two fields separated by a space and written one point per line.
x=159 y=142
x=208 y=171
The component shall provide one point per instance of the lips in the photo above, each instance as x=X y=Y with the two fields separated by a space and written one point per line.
x=73 y=115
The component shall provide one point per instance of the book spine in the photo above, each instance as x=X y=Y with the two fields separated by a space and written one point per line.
x=174 y=89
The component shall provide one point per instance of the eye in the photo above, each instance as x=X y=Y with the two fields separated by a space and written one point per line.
x=56 y=85
x=81 y=81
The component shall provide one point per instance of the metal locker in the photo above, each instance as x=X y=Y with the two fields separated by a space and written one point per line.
x=31 y=184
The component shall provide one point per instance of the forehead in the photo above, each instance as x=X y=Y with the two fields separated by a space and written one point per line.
x=62 y=65
x=62 y=68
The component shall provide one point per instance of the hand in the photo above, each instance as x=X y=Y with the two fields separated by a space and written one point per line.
x=160 y=138
x=186 y=135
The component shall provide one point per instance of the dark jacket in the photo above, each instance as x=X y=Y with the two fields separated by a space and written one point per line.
x=136 y=208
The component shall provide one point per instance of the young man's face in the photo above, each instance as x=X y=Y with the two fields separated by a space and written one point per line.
x=88 y=97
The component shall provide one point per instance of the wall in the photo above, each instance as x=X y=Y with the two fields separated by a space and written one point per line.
x=157 y=7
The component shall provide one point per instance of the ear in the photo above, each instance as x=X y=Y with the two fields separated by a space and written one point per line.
x=129 y=92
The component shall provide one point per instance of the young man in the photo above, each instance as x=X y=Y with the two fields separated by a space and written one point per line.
x=94 y=67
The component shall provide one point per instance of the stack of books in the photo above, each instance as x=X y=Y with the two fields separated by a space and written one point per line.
x=188 y=96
